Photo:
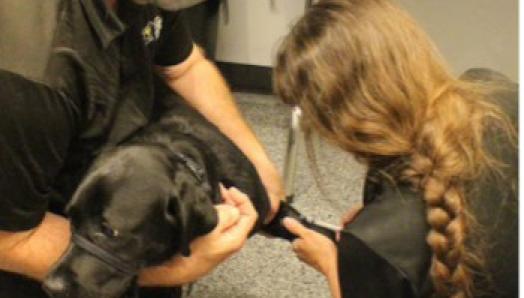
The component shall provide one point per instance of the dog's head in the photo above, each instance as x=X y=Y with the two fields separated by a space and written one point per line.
x=140 y=206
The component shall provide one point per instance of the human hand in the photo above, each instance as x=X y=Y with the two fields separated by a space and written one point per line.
x=239 y=200
x=236 y=219
x=274 y=185
x=313 y=248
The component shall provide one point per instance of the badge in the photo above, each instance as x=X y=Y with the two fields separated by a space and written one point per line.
x=151 y=31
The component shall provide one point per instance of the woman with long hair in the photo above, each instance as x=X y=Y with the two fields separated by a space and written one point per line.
x=440 y=204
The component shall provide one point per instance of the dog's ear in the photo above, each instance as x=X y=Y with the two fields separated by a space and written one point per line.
x=91 y=187
x=194 y=216
x=179 y=215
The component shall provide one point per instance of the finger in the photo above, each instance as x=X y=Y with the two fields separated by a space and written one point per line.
x=237 y=196
x=241 y=230
x=226 y=196
x=295 y=227
x=351 y=214
x=228 y=216
x=298 y=249
x=246 y=222
x=296 y=244
x=242 y=202
x=235 y=237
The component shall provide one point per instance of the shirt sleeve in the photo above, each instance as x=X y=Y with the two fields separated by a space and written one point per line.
x=175 y=43
x=363 y=273
x=35 y=130
x=383 y=252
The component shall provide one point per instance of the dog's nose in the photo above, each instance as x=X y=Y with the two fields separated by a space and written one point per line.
x=55 y=287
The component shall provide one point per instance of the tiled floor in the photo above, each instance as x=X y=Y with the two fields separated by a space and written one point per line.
x=267 y=267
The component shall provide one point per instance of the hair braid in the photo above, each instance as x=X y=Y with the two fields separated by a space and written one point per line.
x=448 y=219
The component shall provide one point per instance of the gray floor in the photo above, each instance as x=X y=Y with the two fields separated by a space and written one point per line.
x=268 y=267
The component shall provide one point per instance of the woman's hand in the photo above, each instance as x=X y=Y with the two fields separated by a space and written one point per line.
x=317 y=251
x=313 y=248
x=236 y=218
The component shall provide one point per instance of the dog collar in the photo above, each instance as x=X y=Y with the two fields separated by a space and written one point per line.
x=105 y=256
x=189 y=163
x=193 y=167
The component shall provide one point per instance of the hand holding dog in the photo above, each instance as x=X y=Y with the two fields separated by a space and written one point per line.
x=236 y=219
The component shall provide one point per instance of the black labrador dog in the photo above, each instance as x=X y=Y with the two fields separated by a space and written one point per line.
x=143 y=201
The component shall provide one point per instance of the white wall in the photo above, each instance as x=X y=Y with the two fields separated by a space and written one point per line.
x=470 y=33
x=251 y=33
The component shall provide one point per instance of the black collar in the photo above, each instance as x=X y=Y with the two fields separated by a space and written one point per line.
x=104 y=21
x=185 y=160
x=194 y=168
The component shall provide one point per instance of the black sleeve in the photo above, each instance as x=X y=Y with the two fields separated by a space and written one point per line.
x=383 y=252
x=35 y=130
x=363 y=273
x=175 y=43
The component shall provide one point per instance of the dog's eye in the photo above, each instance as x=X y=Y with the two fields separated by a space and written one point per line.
x=108 y=230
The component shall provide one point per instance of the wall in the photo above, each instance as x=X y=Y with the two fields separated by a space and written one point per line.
x=249 y=30
x=472 y=33
x=480 y=33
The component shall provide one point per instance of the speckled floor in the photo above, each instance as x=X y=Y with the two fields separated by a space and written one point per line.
x=267 y=267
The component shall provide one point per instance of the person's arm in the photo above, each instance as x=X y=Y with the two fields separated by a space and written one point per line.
x=33 y=252
x=199 y=82
x=380 y=253
x=317 y=251
x=36 y=126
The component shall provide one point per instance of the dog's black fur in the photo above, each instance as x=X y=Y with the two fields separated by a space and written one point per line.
x=142 y=202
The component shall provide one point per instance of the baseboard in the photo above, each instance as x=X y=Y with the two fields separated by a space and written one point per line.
x=249 y=78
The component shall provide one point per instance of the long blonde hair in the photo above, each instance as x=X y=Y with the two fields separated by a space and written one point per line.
x=369 y=80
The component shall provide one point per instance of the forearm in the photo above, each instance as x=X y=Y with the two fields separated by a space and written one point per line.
x=177 y=272
x=199 y=82
x=203 y=87
x=162 y=276
x=34 y=252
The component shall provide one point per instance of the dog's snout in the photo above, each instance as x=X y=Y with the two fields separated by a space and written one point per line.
x=55 y=287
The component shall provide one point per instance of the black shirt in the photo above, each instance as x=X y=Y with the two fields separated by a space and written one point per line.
x=76 y=76
x=383 y=252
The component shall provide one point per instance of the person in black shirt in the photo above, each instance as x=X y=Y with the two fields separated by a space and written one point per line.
x=77 y=76
x=440 y=214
